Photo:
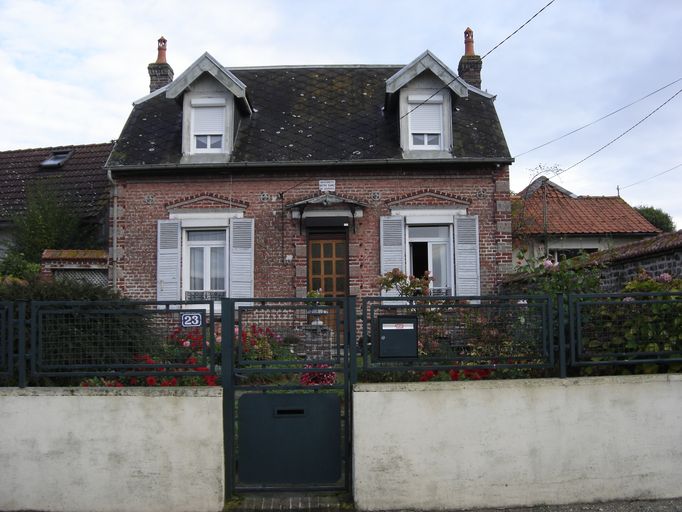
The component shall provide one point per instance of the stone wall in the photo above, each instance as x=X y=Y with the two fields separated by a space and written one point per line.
x=618 y=273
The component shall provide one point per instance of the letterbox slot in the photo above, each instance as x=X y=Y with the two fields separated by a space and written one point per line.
x=289 y=412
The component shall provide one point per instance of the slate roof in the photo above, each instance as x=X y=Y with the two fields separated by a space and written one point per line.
x=575 y=215
x=81 y=180
x=309 y=114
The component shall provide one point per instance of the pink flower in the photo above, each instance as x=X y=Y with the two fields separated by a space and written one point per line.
x=548 y=264
x=665 y=277
x=185 y=343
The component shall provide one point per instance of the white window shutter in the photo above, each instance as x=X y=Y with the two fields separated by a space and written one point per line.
x=209 y=120
x=425 y=118
x=168 y=260
x=392 y=234
x=467 y=264
x=241 y=257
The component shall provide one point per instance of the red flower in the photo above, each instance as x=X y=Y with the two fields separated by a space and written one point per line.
x=211 y=380
x=151 y=381
x=169 y=382
x=191 y=360
x=427 y=376
x=133 y=381
x=454 y=374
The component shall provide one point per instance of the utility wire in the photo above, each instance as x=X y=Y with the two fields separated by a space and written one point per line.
x=621 y=135
x=515 y=31
x=489 y=52
x=597 y=120
x=651 y=177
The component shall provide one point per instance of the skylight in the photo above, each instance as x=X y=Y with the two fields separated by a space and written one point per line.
x=57 y=159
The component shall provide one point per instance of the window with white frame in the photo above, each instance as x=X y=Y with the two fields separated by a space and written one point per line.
x=430 y=251
x=204 y=258
x=205 y=264
x=445 y=245
x=208 y=125
x=425 y=121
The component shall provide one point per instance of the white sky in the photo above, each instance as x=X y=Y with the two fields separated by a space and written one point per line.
x=70 y=69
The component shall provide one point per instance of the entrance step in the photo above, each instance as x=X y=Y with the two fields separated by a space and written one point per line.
x=283 y=502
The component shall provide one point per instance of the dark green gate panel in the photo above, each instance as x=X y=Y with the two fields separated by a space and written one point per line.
x=289 y=438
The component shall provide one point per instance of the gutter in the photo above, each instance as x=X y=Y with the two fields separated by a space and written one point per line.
x=317 y=163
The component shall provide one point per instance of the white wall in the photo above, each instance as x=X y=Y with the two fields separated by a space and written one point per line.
x=448 y=445
x=100 y=450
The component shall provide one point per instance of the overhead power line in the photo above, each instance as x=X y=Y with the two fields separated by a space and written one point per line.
x=515 y=31
x=600 y=119
x=652 y=177
x=489 y=52
x=621 y=135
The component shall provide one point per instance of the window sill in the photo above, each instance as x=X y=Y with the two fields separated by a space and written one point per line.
x=426 y=154
x=205 y=158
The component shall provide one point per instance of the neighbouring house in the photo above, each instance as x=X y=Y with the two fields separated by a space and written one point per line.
x=550 y=221
x=273 y=181
x=661 y=254
x=75 y=173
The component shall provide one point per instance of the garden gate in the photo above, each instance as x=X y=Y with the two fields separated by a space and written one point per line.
x=287 y=367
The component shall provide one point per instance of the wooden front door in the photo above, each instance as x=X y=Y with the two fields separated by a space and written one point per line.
x=328 y=264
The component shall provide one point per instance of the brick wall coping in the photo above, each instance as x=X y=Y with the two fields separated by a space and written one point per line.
x=75 y=254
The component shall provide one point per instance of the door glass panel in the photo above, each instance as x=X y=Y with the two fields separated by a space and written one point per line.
x=340 y=284
x=328 y=267
x=196 y=268
x=328 y=285
x=328 y=250
x=317 y=283
x=340 y=267
x=317 y=267
x=315 y=250
x=341 y=250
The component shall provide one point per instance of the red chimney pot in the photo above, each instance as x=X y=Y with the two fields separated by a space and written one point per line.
x=161 y=53
x=469 y=42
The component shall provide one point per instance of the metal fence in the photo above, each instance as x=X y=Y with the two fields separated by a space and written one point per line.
x=495 y=336
x=111 y=343
x=468 y=336
x=625 y=329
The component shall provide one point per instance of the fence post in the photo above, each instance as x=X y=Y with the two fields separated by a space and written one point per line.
x=226 y=363
x=21 y=341
x=351 y=317
x=562 y=336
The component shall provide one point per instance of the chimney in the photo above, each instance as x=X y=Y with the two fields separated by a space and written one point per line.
x=470 y=64
x=160 y=72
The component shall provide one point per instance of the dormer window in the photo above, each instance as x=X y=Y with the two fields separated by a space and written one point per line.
x=425 y=120
x=208 y=125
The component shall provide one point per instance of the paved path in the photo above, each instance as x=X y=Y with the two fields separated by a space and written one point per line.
x=333 y=504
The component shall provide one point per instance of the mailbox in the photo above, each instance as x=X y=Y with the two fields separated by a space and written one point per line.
x=398 y=337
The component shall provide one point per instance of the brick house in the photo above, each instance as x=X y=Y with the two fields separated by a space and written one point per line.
x=550 y=220
x=274 y=181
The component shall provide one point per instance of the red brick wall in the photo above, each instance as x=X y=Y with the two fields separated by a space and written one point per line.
x=142 y=201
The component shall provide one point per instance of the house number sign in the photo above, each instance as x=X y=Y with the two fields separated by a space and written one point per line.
x=195 y=319
x=327 y=185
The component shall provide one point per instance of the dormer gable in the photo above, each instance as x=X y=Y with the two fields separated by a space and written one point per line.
x=424 y=92
x=214 y=101
x=427 y=61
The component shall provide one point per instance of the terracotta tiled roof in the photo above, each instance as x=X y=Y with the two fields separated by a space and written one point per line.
x=567 y=213
x=310 y=114
x=81 y=180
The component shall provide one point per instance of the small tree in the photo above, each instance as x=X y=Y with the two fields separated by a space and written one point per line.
x=47 y=223
x=657 y=217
